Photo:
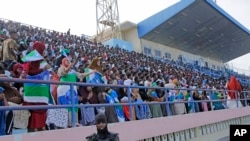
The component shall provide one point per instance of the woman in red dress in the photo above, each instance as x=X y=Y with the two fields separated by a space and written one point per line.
x=38 y=117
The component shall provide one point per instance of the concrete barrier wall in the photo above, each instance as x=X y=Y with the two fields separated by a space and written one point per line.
x=175 y=128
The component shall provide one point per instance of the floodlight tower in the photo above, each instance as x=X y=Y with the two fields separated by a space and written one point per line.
x=107 y=19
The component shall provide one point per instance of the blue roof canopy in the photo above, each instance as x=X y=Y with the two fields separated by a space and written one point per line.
x=200 y=27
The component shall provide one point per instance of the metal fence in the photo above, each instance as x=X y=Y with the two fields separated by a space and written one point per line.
x=243 y=98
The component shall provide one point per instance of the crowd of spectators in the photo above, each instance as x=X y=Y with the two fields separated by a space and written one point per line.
x=119 y=67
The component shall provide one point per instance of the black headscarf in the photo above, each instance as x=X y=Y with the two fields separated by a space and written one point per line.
x=102 y=133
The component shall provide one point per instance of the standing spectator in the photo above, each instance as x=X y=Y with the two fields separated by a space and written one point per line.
x=233 y=86
x=142 y=111
x=113 y=113
x=64 y=54
x=197 y=98
x=17 y=72
x=96 y=65
x=9 y=48
x=68 y=32
x=67 y=74
x=155 y=109
x=3 y=102
x=38 y=117
x=204 y=104
x=87 y=113
x=217 y=105
x=171 y=92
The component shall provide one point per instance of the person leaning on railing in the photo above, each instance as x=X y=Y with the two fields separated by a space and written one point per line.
x=3 y=102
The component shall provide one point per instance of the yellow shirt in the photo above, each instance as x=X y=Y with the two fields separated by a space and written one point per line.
x=8 y=48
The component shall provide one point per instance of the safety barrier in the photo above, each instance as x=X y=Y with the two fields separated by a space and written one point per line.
x=186 y=127
x=130 y=104
x=190 y=132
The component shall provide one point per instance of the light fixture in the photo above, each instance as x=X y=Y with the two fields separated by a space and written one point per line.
x=183 y=14
x=170 y=23
x=210 y=28
x=155 y=31
x=184 y=29
x=198 y=21
x=171 y=37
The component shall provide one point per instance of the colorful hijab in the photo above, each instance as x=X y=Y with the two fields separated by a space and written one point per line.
x=93 y=65
x=39 y=46
x=64 y=64
x=15 y=67
x=233 y=85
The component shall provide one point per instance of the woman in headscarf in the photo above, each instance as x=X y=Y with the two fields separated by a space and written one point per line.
x=103 y=133
x=67 y=74
x=38 y=117
x=234 y=85
x=96 y=65
x=17 y=72
x=234 y=89
x=100 y=79
x=33 y=68
x=89 y=95
x=64 y=53
x=87 y=115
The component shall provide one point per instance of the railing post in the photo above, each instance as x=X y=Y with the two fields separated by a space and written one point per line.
x=211 y=103
x=192 y=102
x=129 y=101
x=245 y=98
x=72 y=95
x=236 y=93
x=225 y=99
x=167 y=103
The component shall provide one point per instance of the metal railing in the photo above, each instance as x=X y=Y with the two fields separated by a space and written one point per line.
x=245 y=98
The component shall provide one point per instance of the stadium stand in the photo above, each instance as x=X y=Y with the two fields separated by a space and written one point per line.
x=119 y=67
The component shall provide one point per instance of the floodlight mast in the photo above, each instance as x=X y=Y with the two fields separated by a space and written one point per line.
x=107 y=20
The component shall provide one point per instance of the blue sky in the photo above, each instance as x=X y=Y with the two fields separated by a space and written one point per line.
x=80 y=15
